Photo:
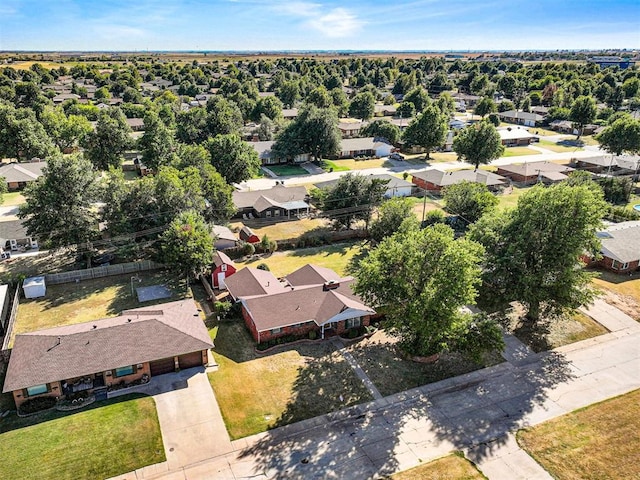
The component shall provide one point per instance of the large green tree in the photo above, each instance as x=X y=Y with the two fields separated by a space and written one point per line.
x=156 y=143
x=469 y=200
x=583 y=111
x=485 y=106
x=478 y=143
x=420 y=279
x=234 y=158
x=363 y=106
x=22 y=136
x=67 y=132
x=187 y=245
x=59 y=208
x=382 y=128
x=428 y=130
x=534 y=251
x=622 y=136
x=391 y=214
x=111 y=139
x=351 y=198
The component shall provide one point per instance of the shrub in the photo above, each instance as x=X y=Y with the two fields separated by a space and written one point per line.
x=223 y=308
x=353 y=333
x=434 y=216
x=263 y=266
x=248 y=249
x=37 y=404
x=313 y=335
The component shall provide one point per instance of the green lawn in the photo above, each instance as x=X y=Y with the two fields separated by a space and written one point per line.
x=256 y=393
x=627 y=285
x=12 y=198
x=511 y=199
x=284 y=230
x=557 y=146
x=599 y=441
x=287 y=170
x=351 y=164
x=451 y=467
x=334 y=166
x=519 y=152
x=336 y=257
x=112 y=438
x=70 y=303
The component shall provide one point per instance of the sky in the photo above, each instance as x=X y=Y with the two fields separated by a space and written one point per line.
x=262 y=25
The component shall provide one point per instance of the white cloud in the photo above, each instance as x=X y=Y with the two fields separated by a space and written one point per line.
x=336 y=23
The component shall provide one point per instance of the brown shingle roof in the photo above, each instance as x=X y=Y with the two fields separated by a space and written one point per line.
x=278 y=194
x=136 y=336
x=249 y=281
x=221 y=258
x=534 y=168
x=311 y=275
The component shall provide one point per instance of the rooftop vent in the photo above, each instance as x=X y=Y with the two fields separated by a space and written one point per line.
x=331 y=285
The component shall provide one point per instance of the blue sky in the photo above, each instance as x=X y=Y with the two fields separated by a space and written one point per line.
x=318 y=24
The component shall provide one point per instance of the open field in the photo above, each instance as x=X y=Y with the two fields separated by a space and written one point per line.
x=283 y=230
x=451 y=467
x=256 y=393
x=70 y=303
x=336 y=257
x=599 y=441
x=107 y=439
x=391 y=372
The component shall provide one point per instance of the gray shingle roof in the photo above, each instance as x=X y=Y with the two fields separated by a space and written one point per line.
x=621 y=242
x=22 y=172
x=135 y=336
x=278 y=194
x=444 y=179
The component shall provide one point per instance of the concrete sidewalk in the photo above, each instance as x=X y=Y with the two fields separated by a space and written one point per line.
x=610 y=317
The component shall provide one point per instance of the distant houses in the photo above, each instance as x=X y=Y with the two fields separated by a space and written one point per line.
x=519 y=117
x=19 y=175
x=534 y=172
x=620 y=247
x=278 y=202
x=434 y=180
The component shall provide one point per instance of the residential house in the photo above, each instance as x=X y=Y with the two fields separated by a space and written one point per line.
x=92 y=356
x=396 y=187
x=19 y=175
x=434 y=180
x=516 y=136
x=368 y=146
x=268 y=158
x=312 y=298
x=384 y=110
x=620 y=247
x=136 y=124
x=63 y=97
x=470 y=101
x=519 y=117
x=401 y=123
x=534 y=172
x=565 y=126
x=223 y=237
x=540 y=110
x=278 y=202
x=223 y=268
x=14 y=236
x=289 y=113
x=350 y=127
x=247 y=235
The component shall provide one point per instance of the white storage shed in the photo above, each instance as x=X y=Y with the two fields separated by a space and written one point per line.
x=34 y=287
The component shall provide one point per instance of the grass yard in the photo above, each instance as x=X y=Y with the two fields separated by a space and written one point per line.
x=391 y=372
x=599 y=441
x=519 y=152
x=435 y=157
x=287 y=170
x=256 y=393
x=510 y=200
x=543 y=132
x=70 y=303
x=351 y=164
x=284 y=230
x=628 y=285
x=336 y=256
x=334 y=166
x=451 y=467
x=557 y=146
x=13 y=198
x=110 y=439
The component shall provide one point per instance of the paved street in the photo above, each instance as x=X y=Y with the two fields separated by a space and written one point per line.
x=476 y=413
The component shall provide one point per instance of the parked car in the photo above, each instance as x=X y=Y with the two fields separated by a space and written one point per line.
x=396 y=156
x=103 y=259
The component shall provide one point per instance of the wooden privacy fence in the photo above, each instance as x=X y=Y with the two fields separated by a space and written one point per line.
x=99 y=272
x=12 y=319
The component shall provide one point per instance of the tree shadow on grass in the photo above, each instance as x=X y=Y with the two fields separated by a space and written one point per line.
x=474 y=411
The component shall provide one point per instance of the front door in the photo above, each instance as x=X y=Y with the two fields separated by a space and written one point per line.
x=98 y=381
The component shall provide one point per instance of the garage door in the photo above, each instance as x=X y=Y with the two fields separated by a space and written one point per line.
x=190 y=360
x=159 y=367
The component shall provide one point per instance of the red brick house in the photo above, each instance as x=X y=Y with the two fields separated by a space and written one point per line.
x=247 y=235
x=93 y=356
x=620 y=247
x=311 y=298
x=224 y=267
x=534 y=172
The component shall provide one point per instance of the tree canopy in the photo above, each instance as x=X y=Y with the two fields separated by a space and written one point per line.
x=478 y=143
x=428 y=130
x=382 y=128
x=583 y=111
x=105 y=146
x=59 y=208
x=469 y=200
x=236 y=160
x=534 y=250
x=391 y=214
x=622 y=136
x=420 y=279
x=187 y=245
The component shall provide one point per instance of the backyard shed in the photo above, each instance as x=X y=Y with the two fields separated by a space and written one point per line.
x=34 y=287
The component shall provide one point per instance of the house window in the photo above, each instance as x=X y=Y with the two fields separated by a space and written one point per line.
x=616 y=265
x=268 y=213
x=277 y=213
x=275 y=331
x=223 y=267
x=122 y=371
x=37 y=390
x=353 y=322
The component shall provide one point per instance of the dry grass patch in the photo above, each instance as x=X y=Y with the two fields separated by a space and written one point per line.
x=391 y=372
x=12 y=199
x=71 y=303
x=257 y=393
x=622 y=291
x=451 y=467
x=600 y=441
x=351 y=164
x=284 y=230
x=510 y=200
x=519 y=152
x=336 y=257
x=557 y=146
